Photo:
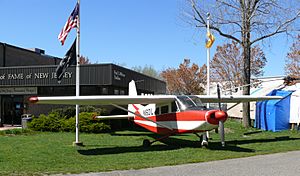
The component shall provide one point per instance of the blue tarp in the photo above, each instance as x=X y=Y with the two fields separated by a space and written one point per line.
x=274 y=115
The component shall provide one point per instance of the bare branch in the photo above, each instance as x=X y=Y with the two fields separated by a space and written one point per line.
x=225 y=35
x=280 y=29
x=229 y=5
x=202 y=19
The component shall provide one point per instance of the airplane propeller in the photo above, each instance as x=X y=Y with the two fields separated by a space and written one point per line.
x=218 y=117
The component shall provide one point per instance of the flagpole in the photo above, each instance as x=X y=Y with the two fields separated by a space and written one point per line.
x=77 y=77
x=207 y=61
x=221 y=124
x=208 y=71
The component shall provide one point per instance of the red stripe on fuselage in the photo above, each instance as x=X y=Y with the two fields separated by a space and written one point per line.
x=136 y=108
x=178 y=116
x=161 y=130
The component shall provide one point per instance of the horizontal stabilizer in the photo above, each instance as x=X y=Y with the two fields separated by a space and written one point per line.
x=114 y=117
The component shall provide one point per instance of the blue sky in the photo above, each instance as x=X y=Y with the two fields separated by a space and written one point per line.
x=126 y=32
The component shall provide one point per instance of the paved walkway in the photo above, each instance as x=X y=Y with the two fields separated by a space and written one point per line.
x=9 y=127
x=280 y=164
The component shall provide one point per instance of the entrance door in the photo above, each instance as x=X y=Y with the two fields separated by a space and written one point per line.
x=12 y=107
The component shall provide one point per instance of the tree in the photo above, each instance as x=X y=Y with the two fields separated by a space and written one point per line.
x=187 y=79
x=292 y=62
x=84 y=60
x=247 y=22
x=147 y=70
x=227 y=64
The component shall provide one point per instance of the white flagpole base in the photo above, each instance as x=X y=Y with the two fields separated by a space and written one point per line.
x=80 y=144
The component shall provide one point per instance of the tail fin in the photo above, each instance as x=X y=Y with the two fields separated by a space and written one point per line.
x=132 y=92
x=132 y=88
x=145 y=110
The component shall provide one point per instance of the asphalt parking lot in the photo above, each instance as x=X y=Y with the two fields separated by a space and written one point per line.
x=280 y=164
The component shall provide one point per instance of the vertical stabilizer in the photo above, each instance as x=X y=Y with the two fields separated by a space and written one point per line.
x=132 y=88
x=132 y=92
x=145 y=110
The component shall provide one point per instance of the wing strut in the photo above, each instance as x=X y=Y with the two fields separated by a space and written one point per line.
x=141 y=116
x=233 y=106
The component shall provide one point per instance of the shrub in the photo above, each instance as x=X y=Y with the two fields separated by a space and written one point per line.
x=69 y=125
x=61 y=120
x=88 y=124
x=45 y=123
x=70 y=111
x=66 y=112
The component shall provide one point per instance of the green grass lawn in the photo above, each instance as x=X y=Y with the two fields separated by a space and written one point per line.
x=50 y=153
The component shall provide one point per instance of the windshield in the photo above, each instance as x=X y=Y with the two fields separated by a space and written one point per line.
x=190 y=102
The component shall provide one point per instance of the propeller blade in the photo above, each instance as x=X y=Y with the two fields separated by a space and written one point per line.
x=219 y=96
x=222 y=133
x=221 y=122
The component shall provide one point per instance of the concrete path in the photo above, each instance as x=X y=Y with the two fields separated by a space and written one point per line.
x=9 y=127
x=280 y=164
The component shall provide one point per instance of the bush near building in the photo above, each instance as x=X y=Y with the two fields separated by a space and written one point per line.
x=63 y=120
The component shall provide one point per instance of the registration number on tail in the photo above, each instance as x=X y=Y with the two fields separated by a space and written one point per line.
x=147 y=112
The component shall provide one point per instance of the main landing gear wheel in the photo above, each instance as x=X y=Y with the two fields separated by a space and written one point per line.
x=204 y=143
x=146 y=143
x=203 y=140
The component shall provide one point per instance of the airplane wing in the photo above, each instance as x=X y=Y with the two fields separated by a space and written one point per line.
x=138 y=99
x=236 y=99
x=104 y=100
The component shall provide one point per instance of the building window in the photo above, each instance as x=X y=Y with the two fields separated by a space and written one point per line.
x=116 y=92
x=104 y=91
x=122 y=92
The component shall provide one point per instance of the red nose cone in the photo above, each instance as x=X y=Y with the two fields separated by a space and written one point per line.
x=221 y=115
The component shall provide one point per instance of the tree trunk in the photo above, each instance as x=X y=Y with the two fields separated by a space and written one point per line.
x=246 y=90
x=247 y=77
x=246 y=58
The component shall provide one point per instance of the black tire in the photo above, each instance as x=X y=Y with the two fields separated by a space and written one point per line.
x=203 y=145
x=201 y=139
x=146 y=143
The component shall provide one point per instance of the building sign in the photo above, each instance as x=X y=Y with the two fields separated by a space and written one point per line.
x=40 y=75
x=18 y=90
x=26 y=76
x=118 y=75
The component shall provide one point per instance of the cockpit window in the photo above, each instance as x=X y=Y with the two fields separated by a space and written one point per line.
x=190 y=102
x=164 y=109
x=196 y=100
x=173 y=107
x=186 y=101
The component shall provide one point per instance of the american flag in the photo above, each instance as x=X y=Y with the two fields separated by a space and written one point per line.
x=71 y=23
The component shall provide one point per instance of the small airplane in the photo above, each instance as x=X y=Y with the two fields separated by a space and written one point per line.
x=166 y=115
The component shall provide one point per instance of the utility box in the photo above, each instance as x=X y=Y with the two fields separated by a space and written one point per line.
x=25 y=119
